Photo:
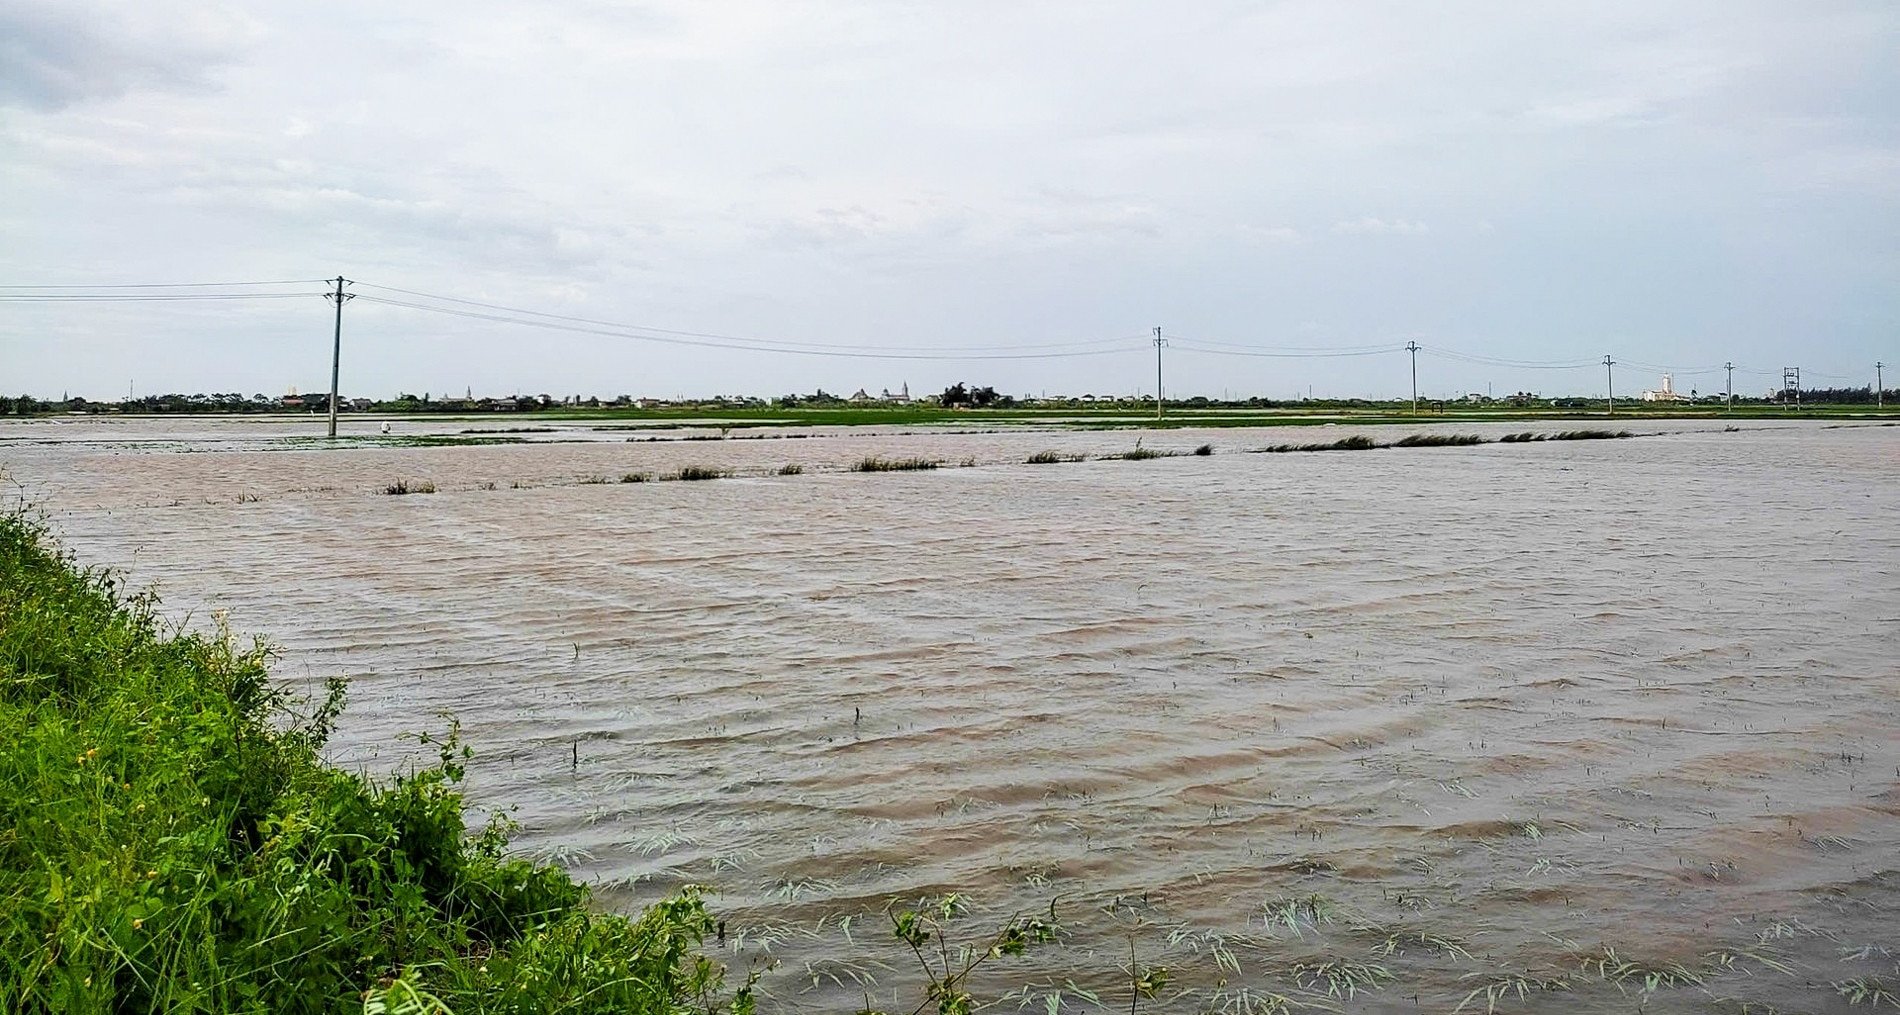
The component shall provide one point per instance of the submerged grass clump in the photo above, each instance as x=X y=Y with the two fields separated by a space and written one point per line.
x=1052 y=458
x=1204 y=450
x=174 y=842
x=693 y=472
x=1357 y=442
x=872 y=463
x=402 y=487
x=636 y=477
x=1438 y=440
x=793 y=469
x=1590 y=435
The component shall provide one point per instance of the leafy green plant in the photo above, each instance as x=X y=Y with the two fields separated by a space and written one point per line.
x=947 y=970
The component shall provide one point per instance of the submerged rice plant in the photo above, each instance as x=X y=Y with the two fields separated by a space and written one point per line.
x=402 y=487
x=1052 y=458
x=872 y=463
x=693 y=472
x=1357 y=442
x=792 y=469
x=1589 y=435
x=1438 y=440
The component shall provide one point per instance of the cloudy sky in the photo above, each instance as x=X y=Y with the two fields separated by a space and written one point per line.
x=1676 y=184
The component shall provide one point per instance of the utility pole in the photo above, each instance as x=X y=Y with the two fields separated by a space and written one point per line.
x=1728 y=391
x=336 y=347
x=1880 y=387
x=1159 y=342
x=1412 y=347
x=1610 y=376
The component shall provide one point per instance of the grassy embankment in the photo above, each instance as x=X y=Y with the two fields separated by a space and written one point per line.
x=171 y=842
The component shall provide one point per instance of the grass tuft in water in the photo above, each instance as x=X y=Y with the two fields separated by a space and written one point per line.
x=637 y=477
x=1590 y=435
x=694 y=472
x=872 y=463
x=1438 y=440
x=793 y=469
x=403 y=487
x=1357 y=442
x=1204 y=450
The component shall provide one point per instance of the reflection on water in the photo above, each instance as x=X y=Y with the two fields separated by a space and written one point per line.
x=1402 y=725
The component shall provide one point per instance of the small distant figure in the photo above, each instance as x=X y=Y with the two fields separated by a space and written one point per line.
x=385 y=426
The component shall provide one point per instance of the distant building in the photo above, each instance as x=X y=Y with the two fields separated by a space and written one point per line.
x=860 y=397
x=901 y=398
x=1666 y=393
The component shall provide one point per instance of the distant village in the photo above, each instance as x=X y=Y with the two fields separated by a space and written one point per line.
x=958 y=395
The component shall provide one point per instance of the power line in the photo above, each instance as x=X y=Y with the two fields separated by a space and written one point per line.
x=746 y=340
x=148 y=298
x=1494 y=361
x=167 y=285
x=1272 y=354
x=739 y=345
x=1282 y=348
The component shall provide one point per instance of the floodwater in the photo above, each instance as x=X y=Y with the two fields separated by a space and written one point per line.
x=1383 y=731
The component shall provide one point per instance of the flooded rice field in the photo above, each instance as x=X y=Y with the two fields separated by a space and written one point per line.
x=1605 y=725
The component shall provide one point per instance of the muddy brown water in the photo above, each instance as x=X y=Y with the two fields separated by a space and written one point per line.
x=1380 y=731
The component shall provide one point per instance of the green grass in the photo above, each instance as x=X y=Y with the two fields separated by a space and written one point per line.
x=170 y=841
x=873 y=463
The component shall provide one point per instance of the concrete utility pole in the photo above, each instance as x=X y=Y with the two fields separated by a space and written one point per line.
x=336 y=347
x=1880 y=387
x=1728 y=391
x=1412 y=347
x=1610 y=376
x=1159 y=342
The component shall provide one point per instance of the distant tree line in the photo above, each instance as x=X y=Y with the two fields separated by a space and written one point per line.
x=1835 y=396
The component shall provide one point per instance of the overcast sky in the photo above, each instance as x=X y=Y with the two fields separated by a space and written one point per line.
x=1674 y=184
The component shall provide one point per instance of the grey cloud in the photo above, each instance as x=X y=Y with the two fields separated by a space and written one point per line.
x=57 y=54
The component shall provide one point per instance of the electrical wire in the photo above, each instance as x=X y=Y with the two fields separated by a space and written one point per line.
x=148 y=298
x=1270 y=354
x=736 y=345
x=748 y=341
x=168 y=285
x=1494 y=361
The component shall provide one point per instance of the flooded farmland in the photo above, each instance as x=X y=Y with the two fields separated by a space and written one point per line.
x=1599 y=725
